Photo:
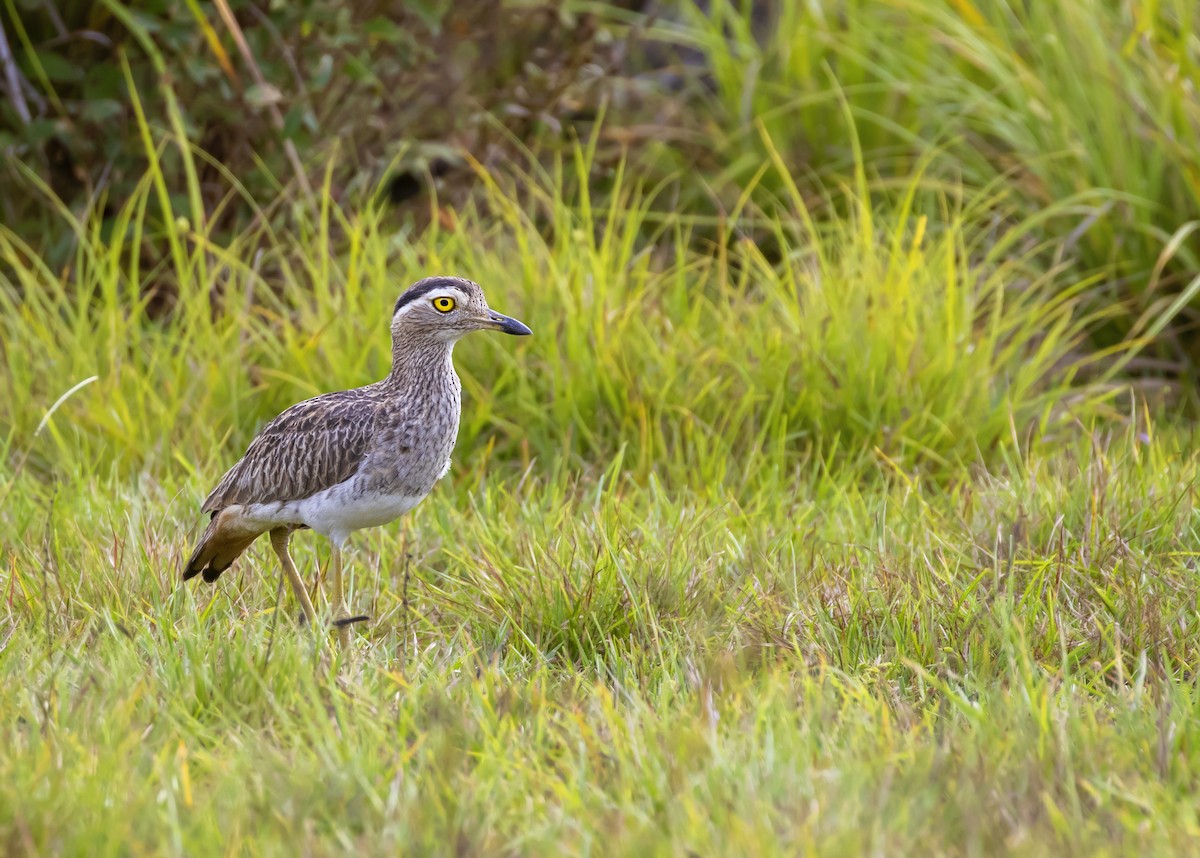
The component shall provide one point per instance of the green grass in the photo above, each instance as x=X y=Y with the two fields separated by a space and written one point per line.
x=574 y=663
x=823 y=526
x=1087 y=107
x=731 y=560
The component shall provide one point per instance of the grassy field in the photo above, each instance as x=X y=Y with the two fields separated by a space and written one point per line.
x=848 y=519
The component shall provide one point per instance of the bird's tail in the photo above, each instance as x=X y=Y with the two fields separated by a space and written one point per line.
x=225 y=538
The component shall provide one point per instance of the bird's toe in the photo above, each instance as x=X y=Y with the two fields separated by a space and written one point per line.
x=349 y=621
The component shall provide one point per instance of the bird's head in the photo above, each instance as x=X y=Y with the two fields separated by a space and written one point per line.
x=443 y=309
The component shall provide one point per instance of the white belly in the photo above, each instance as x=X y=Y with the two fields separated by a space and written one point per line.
x=337 y=518
x=335 y=512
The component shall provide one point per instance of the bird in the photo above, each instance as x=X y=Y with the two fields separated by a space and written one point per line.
x=357 y=458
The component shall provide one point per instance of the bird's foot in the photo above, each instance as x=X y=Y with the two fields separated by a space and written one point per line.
x=349 y=621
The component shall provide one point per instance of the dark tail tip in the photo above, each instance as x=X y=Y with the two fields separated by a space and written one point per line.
x=212 y=573
x=217 y=549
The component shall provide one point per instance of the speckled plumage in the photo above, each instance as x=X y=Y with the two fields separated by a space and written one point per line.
x=355 y=458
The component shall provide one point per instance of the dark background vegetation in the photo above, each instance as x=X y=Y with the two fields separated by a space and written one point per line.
x=1069 y=114
x=398 y=93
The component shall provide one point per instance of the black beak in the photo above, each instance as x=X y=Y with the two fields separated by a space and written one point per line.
x=508 y=325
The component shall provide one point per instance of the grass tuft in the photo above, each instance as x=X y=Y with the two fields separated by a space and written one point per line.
x=820 y=526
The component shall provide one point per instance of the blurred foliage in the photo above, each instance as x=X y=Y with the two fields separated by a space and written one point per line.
x=1088 y=107
x=1082 y=114
x=399 y=89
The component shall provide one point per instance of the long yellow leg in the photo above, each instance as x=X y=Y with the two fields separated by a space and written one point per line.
x=341 y=614
x=340 y=611
x=279 y=541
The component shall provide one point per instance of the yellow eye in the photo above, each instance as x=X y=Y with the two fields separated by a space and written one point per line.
x=443 y=304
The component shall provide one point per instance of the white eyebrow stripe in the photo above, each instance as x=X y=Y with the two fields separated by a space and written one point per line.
x=451 y=292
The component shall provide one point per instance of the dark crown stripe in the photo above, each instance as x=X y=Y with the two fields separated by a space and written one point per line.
x=429 y=284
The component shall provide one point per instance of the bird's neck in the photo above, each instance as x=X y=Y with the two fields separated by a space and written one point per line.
x=420 y=363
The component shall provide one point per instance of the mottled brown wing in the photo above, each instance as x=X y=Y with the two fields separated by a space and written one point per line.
x=311 y=446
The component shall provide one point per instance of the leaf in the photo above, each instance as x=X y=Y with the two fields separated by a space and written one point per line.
x=356 y=69
x=323 y=72
x=298 y=120
x=104 y=81
x=40 y=130
x=429 y=13
x=149 y=23
x=100 y=109
x=59 y=69
x=383 y=30
x=263 y=95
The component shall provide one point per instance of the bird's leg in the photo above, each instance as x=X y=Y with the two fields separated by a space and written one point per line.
x=279 y=541
x=339 y=600
x=341 y=614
